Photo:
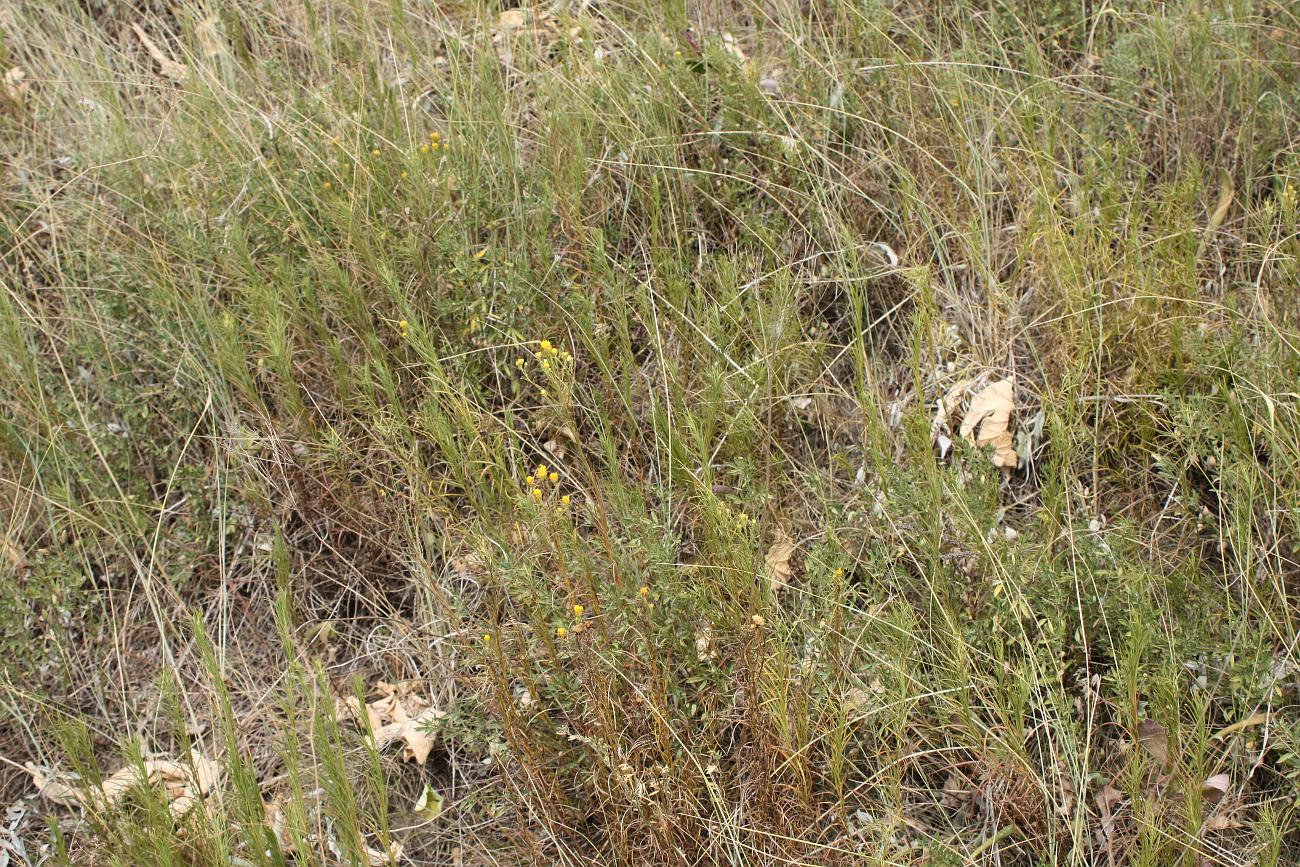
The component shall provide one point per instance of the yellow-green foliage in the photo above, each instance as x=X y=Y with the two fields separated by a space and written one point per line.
x=580 y=372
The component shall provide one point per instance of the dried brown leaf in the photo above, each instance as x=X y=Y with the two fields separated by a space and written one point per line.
x=399 y=714
x=950 y=404
x=1155 y=740
x=555 y=448
x=511 y=19
x=733 y=48
x=54 y=787
x=1221 y=823
x=1215 y=787
x=413 y=732
x=430 y=804
x=987 y=421
x=206 y=773
x=777 y=563
x=379 y=858
x=14 y=85
x=704 y=649
x=1107 y=799
x=184 y=785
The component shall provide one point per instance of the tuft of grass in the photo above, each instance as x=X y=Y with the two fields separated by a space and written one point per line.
x=591 y=373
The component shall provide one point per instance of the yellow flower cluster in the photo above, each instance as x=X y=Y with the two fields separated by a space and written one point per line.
x=435 y=143
x=577 y=624
x=548 y=353
x=548 y=357
x=538 y=480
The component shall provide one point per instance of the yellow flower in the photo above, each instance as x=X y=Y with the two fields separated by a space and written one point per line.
x=645 y=590
x=435 y=135
x=541 y=470
x=554 y=477
x=561 y=632
x=403 y=326
x=519 y=362
x=839 y=573
x=564 y=501
x=757 y=620
x=487 y=636
x=375 y=152
x=546 y=365
x=424 y=149
x=327 y=185
x=546 y=346
x=577 y=610
x=405 y=173
x=530 y=480
x=537 y=495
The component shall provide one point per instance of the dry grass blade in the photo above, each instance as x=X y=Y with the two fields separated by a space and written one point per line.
x=169 y=68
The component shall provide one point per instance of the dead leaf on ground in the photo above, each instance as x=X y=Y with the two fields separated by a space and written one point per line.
x=1107 y=799
x=947 y=411
x=167 y=66
x=379 y=858
x=414 y=732
x=541 y=27
x=1221 y=822
x=184 y=784
x=511 y=19
x=277 y=820
x=1215 y=787
x=55 y=787
x=1155 y=740
x=399 y=714
x=987 y=421
x=554 y=448
x=704 y=649
x=777 y=563
x=733 y=48
x=15 y=85
x=430 y=804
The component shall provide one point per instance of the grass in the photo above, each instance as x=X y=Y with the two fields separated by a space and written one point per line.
x=298 y=296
